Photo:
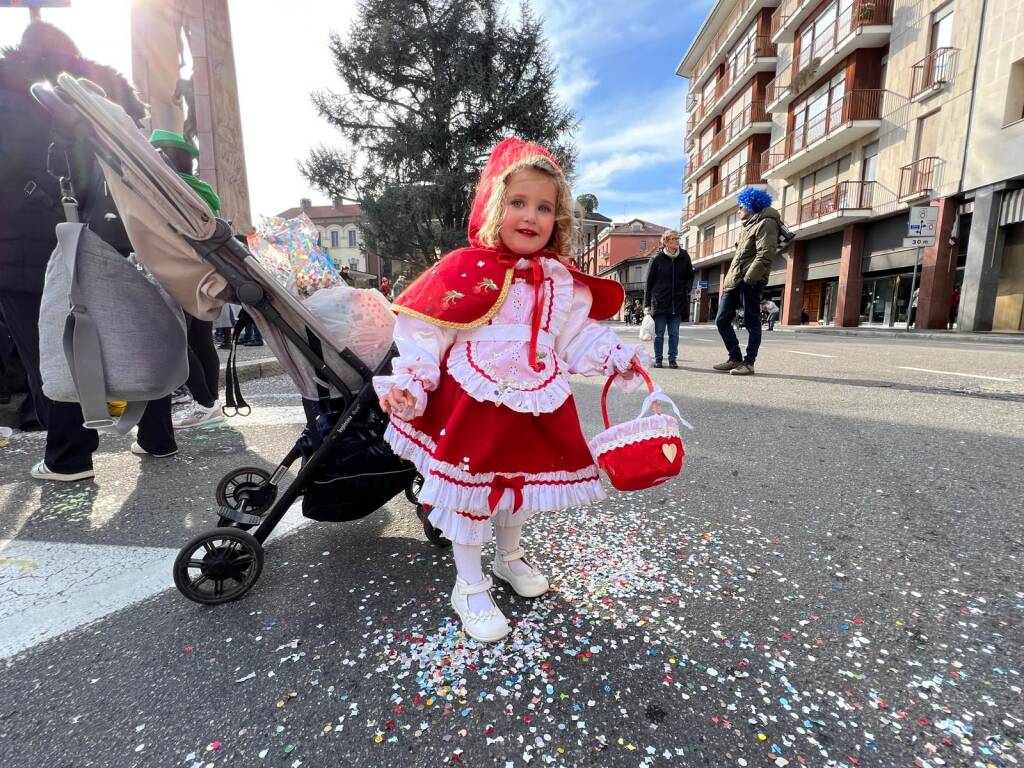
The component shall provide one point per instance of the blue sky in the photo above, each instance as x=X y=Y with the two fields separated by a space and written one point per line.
x=617 y=61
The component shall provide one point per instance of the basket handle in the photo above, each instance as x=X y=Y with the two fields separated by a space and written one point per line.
x=608 y=385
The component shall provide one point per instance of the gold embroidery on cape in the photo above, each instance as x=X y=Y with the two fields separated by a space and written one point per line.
x=506 y=286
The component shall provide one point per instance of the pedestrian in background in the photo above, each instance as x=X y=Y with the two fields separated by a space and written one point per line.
x=954 y=308
x=397 y=287
x=747 y=275
x=385 y=287
x=667 y=297
x=772 y=309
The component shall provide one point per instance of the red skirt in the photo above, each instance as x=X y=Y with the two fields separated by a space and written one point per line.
x=480 y=459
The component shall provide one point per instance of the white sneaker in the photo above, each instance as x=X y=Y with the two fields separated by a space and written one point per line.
x=198 y=416
x=42 y=472
x=138 y=450
x=486 y=626
x=181 y=395
x=532 y=584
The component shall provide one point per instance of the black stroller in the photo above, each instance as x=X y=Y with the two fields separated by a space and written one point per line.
x=347 y=470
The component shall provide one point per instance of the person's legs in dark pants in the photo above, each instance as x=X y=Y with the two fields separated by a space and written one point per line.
x=203 y=362
x=727 y=307
x=660 y=324
x=673 y=338
x=156 y=434
x=751 y=319
x=69 y=445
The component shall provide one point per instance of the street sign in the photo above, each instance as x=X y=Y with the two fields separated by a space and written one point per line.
x=919 y=242
x=922 y=221
x=702 y=284
x=921 y=213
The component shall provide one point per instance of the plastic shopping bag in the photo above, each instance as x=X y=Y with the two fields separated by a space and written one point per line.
x=289 y=249
x=647 y=328
x=358 y=318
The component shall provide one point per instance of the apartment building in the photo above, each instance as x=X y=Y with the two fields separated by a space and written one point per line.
x=850 y=112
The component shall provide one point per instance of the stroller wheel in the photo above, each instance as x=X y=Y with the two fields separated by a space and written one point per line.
x=433 y=535
x=218 y=566
x=247 y=487
x=412 y=493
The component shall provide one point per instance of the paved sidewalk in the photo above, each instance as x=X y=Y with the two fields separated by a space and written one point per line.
x=902 y=333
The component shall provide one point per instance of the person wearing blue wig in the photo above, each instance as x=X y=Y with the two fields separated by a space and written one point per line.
x=747 y=276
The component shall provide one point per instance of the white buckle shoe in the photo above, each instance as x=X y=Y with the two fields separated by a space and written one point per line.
x=532 y=584
x=487 y=626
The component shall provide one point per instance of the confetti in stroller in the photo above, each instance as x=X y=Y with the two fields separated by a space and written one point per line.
x=347 y=470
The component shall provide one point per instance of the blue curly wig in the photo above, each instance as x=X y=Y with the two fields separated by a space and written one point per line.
x=754 y=199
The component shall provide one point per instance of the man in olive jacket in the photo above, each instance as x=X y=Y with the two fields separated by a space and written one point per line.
x=748 y=274
x=667 y=298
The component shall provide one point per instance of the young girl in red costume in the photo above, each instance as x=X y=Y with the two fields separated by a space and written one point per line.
x=479 y=397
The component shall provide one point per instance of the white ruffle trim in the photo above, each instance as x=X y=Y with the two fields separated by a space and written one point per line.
x=515 y=393
x=450 y=490
x=384 y=384
x=656 y=427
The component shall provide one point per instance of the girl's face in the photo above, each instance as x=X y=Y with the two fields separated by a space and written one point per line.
x=529 y=219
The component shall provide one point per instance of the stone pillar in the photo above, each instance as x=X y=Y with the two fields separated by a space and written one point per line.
x=218 y=117
x=851 y=277
x=156 y=60
x=984 y=263
x=793 y=296
x=938 y=268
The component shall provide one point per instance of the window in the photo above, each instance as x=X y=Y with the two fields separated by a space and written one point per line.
x=353 y=264
x=334 y=238
x=819 y=113
x=927 y=143
x=869 y=166
x=731 y=171
x=942 y=29
x=704 y=185
x=1015 y=94
x=643 y=246
x=743 y=53
x=351 y=238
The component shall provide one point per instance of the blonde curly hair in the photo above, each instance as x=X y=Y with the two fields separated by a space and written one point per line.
x=564 y=233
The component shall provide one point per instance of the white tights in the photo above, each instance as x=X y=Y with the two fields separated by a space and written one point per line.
x=468 y=562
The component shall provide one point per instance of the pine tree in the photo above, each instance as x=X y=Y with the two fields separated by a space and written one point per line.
x=430 y=87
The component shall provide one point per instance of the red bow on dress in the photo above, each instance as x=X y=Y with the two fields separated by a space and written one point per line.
x=500 y=484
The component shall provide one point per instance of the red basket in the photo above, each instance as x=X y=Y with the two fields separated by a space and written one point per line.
x=643 y=452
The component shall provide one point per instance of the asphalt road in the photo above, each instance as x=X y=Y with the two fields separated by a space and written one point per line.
x=835 y=579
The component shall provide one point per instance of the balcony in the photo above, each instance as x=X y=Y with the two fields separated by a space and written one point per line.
x=933 y=72
x=753 y=119
x=847 y=119
x=758 y=55
x=919 y=179
x=717 y=247
x=778 y=93
x=718 y=199
x=865 y=24
x=739 y=21
x=788 y=17
x=845 y=203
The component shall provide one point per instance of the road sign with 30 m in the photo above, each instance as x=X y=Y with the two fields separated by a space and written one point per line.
x=919 y=242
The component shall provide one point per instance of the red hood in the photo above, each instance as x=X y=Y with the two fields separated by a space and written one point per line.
x=507 y=153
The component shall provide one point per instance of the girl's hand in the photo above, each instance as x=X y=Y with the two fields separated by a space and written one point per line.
x=397 y=400
x=636 y=363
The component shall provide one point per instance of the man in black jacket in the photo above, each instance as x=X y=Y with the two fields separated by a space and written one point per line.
x=30 y=210
x=667 y=298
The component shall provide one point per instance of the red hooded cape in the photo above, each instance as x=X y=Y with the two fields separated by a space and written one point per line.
x=467 y=287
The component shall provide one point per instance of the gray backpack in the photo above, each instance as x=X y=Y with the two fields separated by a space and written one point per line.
x=107 y=331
